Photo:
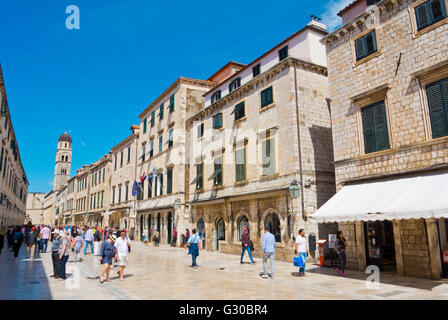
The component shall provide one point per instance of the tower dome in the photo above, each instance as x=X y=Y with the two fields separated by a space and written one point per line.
x=65 y=137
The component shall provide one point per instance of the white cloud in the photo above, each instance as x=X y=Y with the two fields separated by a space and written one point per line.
x=330 y=17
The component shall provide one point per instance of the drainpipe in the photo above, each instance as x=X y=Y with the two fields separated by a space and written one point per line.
x=299 y=145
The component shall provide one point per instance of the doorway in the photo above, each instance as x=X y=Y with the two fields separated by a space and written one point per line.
x=201 y=231
x=220 y=232
x=158 y=225
x=141 y=228
x=169 y=226
x=149 y=227
x=380 y=245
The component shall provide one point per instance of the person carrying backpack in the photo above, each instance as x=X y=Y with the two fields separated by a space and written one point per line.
x=31 y=241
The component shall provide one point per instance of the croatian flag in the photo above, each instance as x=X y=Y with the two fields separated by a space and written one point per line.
x=142 y=179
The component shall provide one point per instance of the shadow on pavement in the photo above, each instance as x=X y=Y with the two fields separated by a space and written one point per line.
x=24 y=278
x=385 y=278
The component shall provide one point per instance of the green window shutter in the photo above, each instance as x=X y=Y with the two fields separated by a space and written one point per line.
x=160 y=143
x=370 y=43
x=359 y=49
x=169 y=181
x=422 y=16
x=144 y=125
x=217 y=121
x=437 y=94
x=240 y=164
x=266 y=97
x=438 y=10
x=239 y=111
x=381 y=132
x=153 y=118
x=161 y=112
x=368 y=129
x=199 y=175
x=171 y=105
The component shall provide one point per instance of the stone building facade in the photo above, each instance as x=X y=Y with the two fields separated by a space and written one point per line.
x=123 y=173
x=388 y=60
x=35 y=207
x=263 y=129
x=13 y=179
x=162 y=158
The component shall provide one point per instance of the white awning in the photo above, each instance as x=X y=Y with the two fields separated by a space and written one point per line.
x=424 y=196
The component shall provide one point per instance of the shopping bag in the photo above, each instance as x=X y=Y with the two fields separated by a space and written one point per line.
x=298 y=262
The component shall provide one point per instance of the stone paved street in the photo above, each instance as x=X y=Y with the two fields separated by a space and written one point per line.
x=165 y=273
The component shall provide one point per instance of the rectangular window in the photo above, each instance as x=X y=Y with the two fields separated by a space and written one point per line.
x=256 y=70
x=150 y=187
x=199 y=175
x=161 y=112
x=169 y=181
x=151 y=148
x=153 y=118
x=217 y=179
x=374 y=124
x=200 y=130
x=113 y=195
x=143 y=156
x=119 y=194
x=160 y=143
x=216 y=96
x=266 y=97
x=121 y=161
x=170 y=138
x=115 y=167
x=437 y=94
x=239 y=111
x=171 y=105
x=217 y=121
x=129 y=155
x=145 y=124
x=268 y=156
x=104 y=173
x=102 y=197
x=99 y=176
x=430 y=12
x=127 y=193
x=240 y=164
x=161 y=183
x=283 y=53
x=234 y=84
x=366 y=45
x=156 y=184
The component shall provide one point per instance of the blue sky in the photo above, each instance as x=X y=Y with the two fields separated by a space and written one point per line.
x=93 y=82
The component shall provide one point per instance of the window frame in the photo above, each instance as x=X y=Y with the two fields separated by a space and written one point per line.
x=214 y=122
x=378 y=37
x=236 y=149
x=232 y=87
x=281 y=53
x=256 y=70
x=412 y=13
x=272 y=97
x=216 y=96
x=237 y=112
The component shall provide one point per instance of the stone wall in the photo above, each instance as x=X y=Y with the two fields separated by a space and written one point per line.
x=414 y=242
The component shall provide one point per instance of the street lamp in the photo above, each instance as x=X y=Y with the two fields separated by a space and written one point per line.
x=294 y=189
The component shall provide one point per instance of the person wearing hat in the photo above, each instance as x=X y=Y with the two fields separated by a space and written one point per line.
x=31 y=241
x=107 y=253
x=245 y=244
x=55 y=246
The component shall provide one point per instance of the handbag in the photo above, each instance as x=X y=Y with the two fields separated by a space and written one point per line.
x=251 y=245
x=298 y=262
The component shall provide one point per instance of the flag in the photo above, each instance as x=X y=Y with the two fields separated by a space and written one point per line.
x=135 y=189
x=142 y=179
x=154 y=174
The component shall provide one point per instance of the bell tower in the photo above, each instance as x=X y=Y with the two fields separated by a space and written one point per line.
x=63 y=161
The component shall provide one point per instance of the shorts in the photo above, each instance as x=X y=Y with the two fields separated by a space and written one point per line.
x=122 y=260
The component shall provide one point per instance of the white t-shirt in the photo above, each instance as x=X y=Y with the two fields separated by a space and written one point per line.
x=302 y=243
x=122 y=246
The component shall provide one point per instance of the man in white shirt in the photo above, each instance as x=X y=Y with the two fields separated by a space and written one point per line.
x=122 y=245
x=45 y=235
x=88 y=239
x=301 y=250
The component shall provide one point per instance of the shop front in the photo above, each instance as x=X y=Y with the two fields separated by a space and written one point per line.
x=396 y=224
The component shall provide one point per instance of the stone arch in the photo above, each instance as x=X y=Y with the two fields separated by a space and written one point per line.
x=280 y=224
x=240 y=215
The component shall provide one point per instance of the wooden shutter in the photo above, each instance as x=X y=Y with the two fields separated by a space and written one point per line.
x=381 y=132
x=437 y=10
x=370 y=43
x=422 y=16
x=359 y=49
x=266 y=97
x=169 y=181
x=437 y=94
x=240 y=164
x=368 y=129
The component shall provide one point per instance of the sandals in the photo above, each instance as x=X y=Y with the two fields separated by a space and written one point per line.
x=101 y=280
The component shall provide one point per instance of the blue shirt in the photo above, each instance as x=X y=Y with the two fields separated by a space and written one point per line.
x=268 y=243
x=194 y=239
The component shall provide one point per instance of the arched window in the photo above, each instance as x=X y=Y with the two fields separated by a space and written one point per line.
x=243 y=222
x=273 y=224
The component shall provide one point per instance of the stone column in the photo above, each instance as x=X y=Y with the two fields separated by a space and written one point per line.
x=398 y=247
x=434 y=249
x=360 y=245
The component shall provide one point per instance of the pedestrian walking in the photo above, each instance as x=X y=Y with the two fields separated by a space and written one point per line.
x=55 y=247
x=193 y=247
x=45 y=236
x=107 y=253
x=31 y=242
x=96 y=241
x=88 y=239
x=77 y=244
x=9 y=236
x=174 y=240
x=155 y=238
x=246 y=245
x=3 y=231
x=64 y=254
x=268 y=247
x=122 y=245
x=301 y=250
x=340 y=245
x=145 y=236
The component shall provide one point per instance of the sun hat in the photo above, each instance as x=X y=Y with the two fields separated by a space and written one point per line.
x=113 y=237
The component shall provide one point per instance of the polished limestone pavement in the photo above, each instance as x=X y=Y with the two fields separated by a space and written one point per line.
x=165 y=273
